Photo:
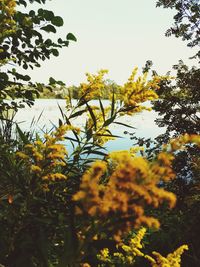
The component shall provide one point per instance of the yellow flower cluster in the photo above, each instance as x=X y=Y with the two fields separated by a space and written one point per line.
x=180 y=142
x=7 y=24
x=93 y=88
x=132 y=250
x=88 y=189
x=45 y=158
x=172 y=259
x=130 y=95
x=137 y=91
x=132 y=184
x=128 y=253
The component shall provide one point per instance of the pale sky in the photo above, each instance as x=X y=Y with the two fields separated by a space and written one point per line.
x=112 y=34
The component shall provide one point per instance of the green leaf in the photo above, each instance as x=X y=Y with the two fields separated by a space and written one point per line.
x=102 y=109
x=49 y=28
x=22 y=2
x=109 y=121
x=48 y=15
x=22 y=136
x=92 y=115
x=52 y=81
x=124 y=124
x=71 y=37
x=89 y=133
x=109 y=135
x=78 y=113
x=57 y=21
x=26 y=78
x=71 y=139
x=55 y=52
x=60 y=41
x=100 y=153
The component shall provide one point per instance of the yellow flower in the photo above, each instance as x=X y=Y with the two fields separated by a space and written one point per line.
x=93 y=88
x=45 y=157
x=136 y=241
x=126 y=248
x=54 y=176
x=104 y=255
x=35 y=168
x=172 y=260
x=137 y=91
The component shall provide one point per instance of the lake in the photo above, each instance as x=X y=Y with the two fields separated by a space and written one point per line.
x=143 y=122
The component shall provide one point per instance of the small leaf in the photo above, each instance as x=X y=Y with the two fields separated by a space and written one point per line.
x=52 y=81
x=49 y=28
x=57 y=21
x=71 y=37
x=60 y=41
x=55 y=52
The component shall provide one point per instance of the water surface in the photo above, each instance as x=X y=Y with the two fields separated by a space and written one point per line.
x=48 y=112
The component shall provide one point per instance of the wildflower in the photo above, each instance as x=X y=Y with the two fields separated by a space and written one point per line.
x=36 y=169
x=172 y=259
x=21 y=155
x=136 y=241
x=126 y=248
x=132 y=182
x=54 y=176
x=93 y=88
x=44 y=158
x=104 y=255
x=137 y=91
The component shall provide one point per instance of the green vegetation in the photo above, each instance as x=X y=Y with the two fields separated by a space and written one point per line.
x=89 y=208
x=58 y=89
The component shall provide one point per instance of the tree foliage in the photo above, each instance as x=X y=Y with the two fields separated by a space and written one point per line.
x=23 y=43
x=186 y=20
x=179 y=104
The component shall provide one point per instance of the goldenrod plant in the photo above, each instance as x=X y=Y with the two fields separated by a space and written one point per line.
x=78 y=206
x=65 y=205
x=126 y=254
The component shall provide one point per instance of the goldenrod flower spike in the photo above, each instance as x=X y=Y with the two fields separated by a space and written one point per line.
x=95 y=83
x=44 y=158
x=172 y=259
